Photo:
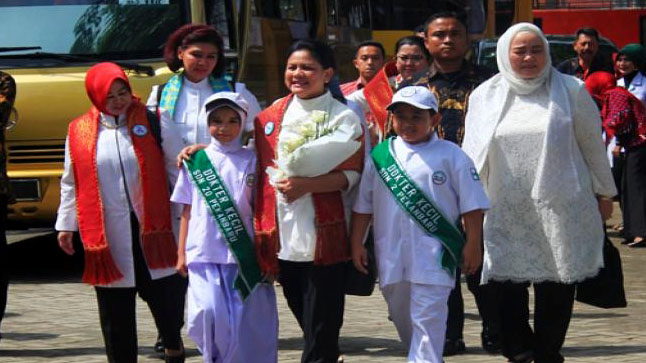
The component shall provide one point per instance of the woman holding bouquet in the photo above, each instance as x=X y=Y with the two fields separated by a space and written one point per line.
x=310 y=153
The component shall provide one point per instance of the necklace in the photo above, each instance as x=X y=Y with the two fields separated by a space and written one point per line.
x=111 y=126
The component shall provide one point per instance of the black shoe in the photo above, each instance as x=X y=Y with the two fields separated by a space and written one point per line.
x=525 y=357
x=639 y=244
x=175 y=359
x=491 y=342
x=453 y=347
x=158 y=347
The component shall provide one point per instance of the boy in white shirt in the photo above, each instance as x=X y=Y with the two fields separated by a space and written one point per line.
x=419 y=190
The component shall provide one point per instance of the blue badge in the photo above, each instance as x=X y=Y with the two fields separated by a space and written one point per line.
x=439 y=178
x=139 y=130
x=474 y=174
x=269 y=128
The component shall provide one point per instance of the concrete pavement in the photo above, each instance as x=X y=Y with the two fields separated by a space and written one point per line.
x=52 y=317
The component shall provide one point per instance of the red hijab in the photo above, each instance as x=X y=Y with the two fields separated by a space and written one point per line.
x=98 y=81
x=598 y=83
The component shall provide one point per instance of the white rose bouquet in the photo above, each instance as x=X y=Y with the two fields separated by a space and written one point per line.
x=314 y=145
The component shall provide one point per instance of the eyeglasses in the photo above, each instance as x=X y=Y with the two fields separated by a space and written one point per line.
x=415 y=58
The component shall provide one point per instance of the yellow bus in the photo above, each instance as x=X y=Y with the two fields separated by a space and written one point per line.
x=48 y=45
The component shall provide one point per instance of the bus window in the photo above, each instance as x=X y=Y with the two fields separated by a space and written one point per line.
x=331 y=12
x=354 y=13
x=219 y=14
x=47 y=46
x=114 y=30
x=284 y=9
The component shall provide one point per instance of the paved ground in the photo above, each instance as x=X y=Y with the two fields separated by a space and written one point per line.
x=52 y=317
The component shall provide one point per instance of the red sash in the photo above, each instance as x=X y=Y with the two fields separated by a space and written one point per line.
x=332 y=242
x=157 y=239
x=379 y=94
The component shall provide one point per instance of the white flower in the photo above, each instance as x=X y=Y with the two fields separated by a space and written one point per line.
x=319 y=116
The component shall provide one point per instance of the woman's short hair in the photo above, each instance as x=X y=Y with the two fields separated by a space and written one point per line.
x=190 y=34
x=319 y=51
x=413 y=40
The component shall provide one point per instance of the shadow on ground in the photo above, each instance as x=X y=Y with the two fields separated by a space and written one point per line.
x=39 y=259
x=75 y=352
x=375 y=347
x=603 y=350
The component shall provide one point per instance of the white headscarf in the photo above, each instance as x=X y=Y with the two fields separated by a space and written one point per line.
x=234 y=101
x=519 y=85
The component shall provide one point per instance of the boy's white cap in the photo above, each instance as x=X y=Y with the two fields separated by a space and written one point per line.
x=416 y=96
x=222 y=99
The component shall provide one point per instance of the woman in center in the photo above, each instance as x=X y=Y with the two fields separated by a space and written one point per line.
x=310 y=154
x=534 y=135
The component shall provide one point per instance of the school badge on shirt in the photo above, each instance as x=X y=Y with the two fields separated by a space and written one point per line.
x=139 y=130
x=269 y=128
x=439 y=178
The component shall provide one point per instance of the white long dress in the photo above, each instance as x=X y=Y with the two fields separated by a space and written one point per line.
x=529 y=241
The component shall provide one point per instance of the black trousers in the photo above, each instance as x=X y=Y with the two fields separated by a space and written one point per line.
x=552 y=313
x=487 y=299
x=634 y=193
x=4 y=257
x=165 y=298
x=316 y=297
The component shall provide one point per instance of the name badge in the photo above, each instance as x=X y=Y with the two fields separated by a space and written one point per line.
x=139 y=130
x=269 y=128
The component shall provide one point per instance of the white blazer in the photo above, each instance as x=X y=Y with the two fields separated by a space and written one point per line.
x=637 y=86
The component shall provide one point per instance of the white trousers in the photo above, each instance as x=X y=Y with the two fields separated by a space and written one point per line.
x=225 y=329
x=419 y=312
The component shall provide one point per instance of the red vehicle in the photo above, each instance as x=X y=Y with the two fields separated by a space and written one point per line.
x=622 y=21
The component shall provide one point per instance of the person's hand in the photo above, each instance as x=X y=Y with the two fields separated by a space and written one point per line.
x=471 y=258
x=616 y=151
x=181 y=267
x=292 y=188
x=65 y=242
x=360 y=258
x=186 y=153
x=605 y=207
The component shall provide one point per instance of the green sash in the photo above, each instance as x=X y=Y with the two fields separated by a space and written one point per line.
x=418 y=206
x=223 y=209
x=171 y=90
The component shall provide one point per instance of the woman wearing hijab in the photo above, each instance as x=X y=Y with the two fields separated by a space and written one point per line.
x=624 y=119
x=110 y=193
x=630 y=61
x=535 y=137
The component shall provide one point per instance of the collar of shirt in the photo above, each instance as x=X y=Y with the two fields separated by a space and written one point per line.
x=420 y=145
x=359 y=84
x=111 y=120
x=433 y=72
x=197 y=85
